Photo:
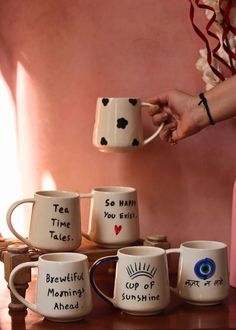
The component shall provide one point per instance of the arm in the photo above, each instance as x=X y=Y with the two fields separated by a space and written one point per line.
x=222 y=100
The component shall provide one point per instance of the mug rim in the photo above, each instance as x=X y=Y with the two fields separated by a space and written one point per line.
x=118 y=97
x=56 y=194
x=203 y=245
x=62 y=257
x=114 y=189
x=150 y=251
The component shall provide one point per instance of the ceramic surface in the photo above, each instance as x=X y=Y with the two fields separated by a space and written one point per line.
x=203 y=272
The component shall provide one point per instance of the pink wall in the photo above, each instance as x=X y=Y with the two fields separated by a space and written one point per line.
x=58 y=56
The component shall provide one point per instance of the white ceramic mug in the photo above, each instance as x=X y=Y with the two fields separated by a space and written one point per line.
x=114 y=218
x=118 y=124
x=63 y=292
x=202 y=272
x=141 y=280
x=55 y=221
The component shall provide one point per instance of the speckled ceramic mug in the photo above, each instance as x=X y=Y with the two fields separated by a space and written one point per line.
x=203 y=272
x=141 y=280
x=55 y=223
x=63 y=292
x=114 y=217
x=118 y=124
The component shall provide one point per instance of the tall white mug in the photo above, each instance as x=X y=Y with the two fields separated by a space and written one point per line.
x=141 y=280
x=118 y=124
x=55 y=221
x=202 y=273
x=63 y=292
x=114 y=218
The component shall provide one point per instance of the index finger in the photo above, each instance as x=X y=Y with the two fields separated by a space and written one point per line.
x=161 y=99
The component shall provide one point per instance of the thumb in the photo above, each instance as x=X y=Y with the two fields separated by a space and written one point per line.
x=175 y=136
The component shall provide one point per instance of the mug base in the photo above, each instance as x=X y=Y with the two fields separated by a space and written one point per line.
x=142 y=313
x=204 y=303
x=115 y=246
x=56 y=319
x=116 y=149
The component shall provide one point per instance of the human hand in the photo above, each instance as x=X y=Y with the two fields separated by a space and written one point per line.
x=180 y=113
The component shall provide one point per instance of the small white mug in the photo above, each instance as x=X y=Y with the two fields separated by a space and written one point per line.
x=118 y=124
x=202 y=272
x=141 y=280
x=114 y=218
x=55 y=221
x=63 y=292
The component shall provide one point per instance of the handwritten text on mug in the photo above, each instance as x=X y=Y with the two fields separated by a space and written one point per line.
x=134 y=287
x=52 y=292
x=121 y=204
x=197 y=283
x=58 y=223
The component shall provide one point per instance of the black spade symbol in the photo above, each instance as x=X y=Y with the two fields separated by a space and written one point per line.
x=103 y=141
x=133 y=101
x=135 y=143
x=105 y=101
x=122 y=123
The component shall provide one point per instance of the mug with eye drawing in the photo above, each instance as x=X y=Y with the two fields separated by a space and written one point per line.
x=202 y=272
x=141 y=280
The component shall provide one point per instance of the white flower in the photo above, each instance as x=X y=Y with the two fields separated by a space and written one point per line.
x=208 y=75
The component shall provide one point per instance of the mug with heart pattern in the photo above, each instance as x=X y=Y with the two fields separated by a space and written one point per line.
x=118 y=124
x=114 y=219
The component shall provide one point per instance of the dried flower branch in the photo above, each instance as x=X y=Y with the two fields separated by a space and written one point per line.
x=217 y=62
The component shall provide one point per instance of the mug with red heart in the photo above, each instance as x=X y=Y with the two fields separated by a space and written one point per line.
x=114 y=219
x=118 y=124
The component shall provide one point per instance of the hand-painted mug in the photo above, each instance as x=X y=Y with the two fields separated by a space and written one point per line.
x=63 y=292
x=118 y=124
x=202 y=273
x=114 y=219
x=55 y=221
x=141 y=280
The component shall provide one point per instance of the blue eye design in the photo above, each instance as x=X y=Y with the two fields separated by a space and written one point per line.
x=205 y=268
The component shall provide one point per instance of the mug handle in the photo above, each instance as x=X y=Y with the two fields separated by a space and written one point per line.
x=177 y=250
x=156 y=133
x=88 y=195
x=92 y=281
x=31 y=306
x=9 y=222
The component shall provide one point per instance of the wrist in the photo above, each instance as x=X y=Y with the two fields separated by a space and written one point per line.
x=200 y=116
x=204 y=102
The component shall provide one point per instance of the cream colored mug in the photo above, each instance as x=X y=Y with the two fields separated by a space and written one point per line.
x=141 y=280
x=118 y=124
x=202 y=272
x=63 y=292
x=55 y=221
x=114 y=218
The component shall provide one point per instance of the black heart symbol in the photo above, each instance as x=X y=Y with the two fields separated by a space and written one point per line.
x=133 y=101
x=135 y=142
x=103 y=141
x=105 y=101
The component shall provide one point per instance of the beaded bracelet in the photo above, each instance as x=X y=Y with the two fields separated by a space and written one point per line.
x=204 y=102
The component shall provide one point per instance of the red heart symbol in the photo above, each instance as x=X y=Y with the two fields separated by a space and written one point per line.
x=117 y=229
